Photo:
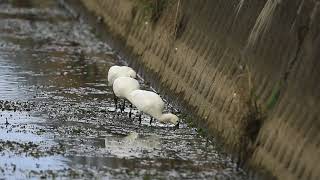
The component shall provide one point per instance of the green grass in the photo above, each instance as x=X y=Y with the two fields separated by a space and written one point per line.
x=274 y=97
x=151 y=10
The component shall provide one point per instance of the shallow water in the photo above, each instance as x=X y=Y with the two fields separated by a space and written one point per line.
x=57 y=115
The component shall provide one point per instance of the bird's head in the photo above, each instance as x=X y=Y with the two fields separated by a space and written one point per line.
x=170 y=118
x=132 y=73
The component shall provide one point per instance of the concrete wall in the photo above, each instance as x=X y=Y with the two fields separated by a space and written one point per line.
x=248 y=68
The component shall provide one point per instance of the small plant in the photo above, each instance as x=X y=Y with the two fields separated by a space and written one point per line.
x=274 y=97
x=254 y=114
x=252 y=120
x=151 y=9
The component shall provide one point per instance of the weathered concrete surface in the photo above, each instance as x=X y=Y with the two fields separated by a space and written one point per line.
x=249 y=69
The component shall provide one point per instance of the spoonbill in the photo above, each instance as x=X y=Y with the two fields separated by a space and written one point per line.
x=122 y=87
x=151 y=104
x=119 y=71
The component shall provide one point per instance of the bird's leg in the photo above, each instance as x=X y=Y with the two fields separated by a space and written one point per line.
x=140 y=118
x=177 y=125
x=123 y=105
x=130 y=113
x=7 y=123
x=151 y=119
x=207 y=141
x=115 y=99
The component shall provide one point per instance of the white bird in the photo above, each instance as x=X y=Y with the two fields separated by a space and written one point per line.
x=119 y=71
x=123 y=86
x=152 y=104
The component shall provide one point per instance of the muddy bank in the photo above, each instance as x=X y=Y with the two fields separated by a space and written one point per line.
x=248 y=69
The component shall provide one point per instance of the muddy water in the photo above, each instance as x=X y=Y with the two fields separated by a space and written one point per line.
x=57 y=117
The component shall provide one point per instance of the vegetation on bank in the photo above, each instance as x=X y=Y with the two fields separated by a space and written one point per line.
x=151 y=9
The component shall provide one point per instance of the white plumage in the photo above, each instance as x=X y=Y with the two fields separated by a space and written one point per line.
x=152 y=104
x=125 y=86
x=116 y=72
x=122 y=86
x=120 y=71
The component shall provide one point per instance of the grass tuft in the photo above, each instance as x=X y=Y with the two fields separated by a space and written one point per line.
x=151 y=9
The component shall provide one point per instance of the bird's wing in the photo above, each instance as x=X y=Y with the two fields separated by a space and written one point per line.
x=112 y=73
x=111 y=78
x=147 y=101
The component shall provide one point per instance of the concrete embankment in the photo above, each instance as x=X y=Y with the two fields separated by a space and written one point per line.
x=248 y=69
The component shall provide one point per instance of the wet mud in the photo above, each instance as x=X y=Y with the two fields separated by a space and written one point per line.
x=58 y=118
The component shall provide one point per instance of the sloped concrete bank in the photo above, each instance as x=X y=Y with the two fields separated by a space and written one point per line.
x=248 y=69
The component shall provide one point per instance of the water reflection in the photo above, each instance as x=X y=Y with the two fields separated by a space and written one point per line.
x=20 y=166
x=131 y=145
x=8 y=82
